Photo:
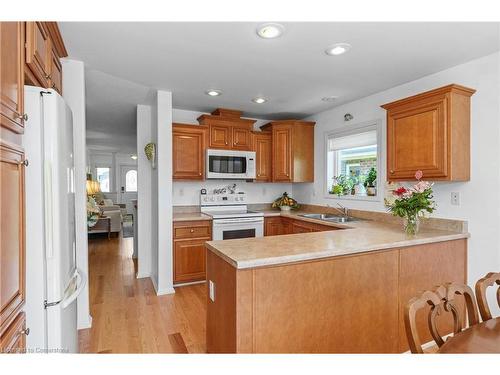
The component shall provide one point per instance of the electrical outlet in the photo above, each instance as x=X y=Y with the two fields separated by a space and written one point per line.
x=455 y=198
x=211 y=290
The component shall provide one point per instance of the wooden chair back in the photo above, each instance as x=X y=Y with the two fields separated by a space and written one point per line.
x=482 y=284
x=439 y=299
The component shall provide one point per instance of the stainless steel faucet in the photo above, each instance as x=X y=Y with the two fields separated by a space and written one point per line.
x=343 y=210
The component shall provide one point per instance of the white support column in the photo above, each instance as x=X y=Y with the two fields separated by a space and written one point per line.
x=165 y=245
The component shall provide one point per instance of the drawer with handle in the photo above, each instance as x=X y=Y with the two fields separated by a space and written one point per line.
x=13 y=340
x=192 y=230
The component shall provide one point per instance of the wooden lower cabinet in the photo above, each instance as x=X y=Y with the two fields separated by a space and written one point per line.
x=13 y=340
x=12 y=254
x=273 y=226
x=189 y=250
x=277 y=225
x=343 y=304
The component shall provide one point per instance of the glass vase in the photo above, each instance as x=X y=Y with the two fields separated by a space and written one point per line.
x=411 y=224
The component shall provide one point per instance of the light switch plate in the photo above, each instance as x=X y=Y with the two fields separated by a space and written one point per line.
x=211 y=290
x=455 y=198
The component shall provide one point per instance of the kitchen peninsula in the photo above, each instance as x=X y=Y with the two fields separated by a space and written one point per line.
x=340 y=291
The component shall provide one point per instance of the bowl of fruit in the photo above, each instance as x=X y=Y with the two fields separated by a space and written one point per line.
x=285 y=203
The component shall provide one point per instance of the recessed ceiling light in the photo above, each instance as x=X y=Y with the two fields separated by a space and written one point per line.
x=259 y=100
x=213 y=92
x=270 y=30
x=329 y=98
x=338 y=49
x=133 y=157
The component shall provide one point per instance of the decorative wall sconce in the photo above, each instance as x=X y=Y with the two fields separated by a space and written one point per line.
x=150 y=151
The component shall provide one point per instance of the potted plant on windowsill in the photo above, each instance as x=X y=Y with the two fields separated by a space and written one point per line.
x=370 y=182
x=342 y=185
x=285 y=203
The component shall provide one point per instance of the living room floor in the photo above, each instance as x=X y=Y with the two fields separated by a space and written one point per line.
x=127 y=315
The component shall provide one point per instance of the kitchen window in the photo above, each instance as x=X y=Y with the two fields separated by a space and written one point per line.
x=352 y=163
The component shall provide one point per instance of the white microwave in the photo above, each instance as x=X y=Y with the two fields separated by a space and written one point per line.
x=230 y=164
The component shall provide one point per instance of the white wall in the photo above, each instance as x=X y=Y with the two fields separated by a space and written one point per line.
x=74 y=94
x=144 y=197
x=187 y=193
x=479 y=198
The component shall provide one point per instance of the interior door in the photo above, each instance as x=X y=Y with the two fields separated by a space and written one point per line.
x=128 y=187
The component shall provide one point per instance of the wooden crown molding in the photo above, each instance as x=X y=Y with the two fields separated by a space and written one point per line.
x=56 y=38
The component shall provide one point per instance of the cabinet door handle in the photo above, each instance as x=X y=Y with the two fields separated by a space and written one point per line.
x=22 y=117
x=199 y=174
x=192 y=230
x=25 y=331
x=391 y=171
x=48 y=76
x=226 y=143
x=24 y=162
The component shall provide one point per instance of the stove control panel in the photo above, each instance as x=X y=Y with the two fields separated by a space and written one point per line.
x=223 y=199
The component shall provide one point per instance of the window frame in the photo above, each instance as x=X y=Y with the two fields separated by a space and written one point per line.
x=102 y=166
x=136 y=181
x=350 y=130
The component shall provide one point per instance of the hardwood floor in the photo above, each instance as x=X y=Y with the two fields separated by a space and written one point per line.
x=127 y=315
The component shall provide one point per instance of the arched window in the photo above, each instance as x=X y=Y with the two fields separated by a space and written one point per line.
x=131 y=181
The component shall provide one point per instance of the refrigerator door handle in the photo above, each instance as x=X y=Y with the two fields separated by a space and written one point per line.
x=77 y=285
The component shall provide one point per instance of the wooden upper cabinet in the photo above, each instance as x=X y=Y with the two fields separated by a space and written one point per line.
x=55 y=81
x=12 y=76
x=430 y=132
x=44 y=48
x=282 y=154
x=220 y=136
x=262 y=145
x=227 y=130
x=241 y=138
x=292 y=150
x=188 y=145
x=38 y=52
x=12 y=254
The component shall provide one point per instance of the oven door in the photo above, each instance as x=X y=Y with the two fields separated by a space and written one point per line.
x=243 y=227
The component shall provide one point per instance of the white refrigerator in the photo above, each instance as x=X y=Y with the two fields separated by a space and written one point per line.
x=53 y=281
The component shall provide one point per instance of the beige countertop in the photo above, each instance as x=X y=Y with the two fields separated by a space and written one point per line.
x=356 y=237
x=190 y=216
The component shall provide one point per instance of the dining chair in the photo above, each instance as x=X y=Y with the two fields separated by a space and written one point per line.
x=439 y=299
x=482 y=284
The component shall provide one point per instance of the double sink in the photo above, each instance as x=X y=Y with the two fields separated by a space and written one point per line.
x=330 y=217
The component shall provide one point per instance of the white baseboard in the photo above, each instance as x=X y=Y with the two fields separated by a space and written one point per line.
x=164 y=291
x=85 y=324
x=142 y=275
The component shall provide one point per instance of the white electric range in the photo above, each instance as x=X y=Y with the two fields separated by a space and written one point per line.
x=231 y=217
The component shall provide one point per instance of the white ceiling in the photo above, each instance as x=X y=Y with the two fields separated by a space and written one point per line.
x=111 y=104
x=292 y=71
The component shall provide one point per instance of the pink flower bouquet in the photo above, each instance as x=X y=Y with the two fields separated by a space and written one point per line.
x=411 y=203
